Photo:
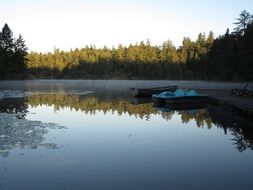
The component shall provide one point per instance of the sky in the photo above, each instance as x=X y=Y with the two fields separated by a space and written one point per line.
x=68 y=24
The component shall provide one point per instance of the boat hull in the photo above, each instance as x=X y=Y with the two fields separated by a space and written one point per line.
x=186 y=99
x=158 y=101
x=148 y=92
x=180 y=99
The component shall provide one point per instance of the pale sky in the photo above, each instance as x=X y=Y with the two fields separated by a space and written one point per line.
x=65 y=24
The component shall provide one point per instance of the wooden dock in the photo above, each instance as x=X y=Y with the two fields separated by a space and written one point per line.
x=240 y=105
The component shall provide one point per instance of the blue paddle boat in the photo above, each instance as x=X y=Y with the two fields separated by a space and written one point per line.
x=179 y=96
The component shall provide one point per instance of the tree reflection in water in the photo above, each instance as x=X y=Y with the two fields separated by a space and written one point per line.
x=16 y=131
x=30 y=134
x=210 y=116
x=240 y=128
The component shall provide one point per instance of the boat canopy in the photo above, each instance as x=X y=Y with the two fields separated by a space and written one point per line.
x=179 y=92
x=166 y=93
x=191 y=93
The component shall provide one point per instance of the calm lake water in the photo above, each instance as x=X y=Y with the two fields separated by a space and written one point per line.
x=63 y=137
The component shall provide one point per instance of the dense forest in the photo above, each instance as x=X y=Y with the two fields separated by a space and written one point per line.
x=13 y=52
x=228 y=57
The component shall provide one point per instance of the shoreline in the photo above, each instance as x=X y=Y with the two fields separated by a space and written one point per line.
x=112 y=84
x=218 y=91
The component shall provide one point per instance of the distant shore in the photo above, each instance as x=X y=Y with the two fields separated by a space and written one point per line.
x=22 y=88
x=219 y=91
x=113 y=84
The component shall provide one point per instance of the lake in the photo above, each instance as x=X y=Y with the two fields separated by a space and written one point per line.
x=95 y=135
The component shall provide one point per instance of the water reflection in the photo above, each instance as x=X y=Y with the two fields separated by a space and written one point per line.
x=92 y=104
x=240 y=128
x=150 y=147
x=16 y=131
x=199 y=115
x=14 y=105
x=3 y=171
x=203 y=115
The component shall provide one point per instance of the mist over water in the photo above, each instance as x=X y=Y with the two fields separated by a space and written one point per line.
x=96 y=136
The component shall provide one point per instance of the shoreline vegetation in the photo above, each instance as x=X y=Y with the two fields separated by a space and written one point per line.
x=226 y=58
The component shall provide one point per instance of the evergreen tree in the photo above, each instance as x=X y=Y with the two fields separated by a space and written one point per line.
x=6 y=39
x=245 y=55
x=12 y=55
x=245 y=18
x=210 y=40
x=20 y=52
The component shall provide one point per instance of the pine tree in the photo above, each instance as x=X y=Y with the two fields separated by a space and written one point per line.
x=245 y=18
x=210 y=40
x=6 y=39
x=20 y=52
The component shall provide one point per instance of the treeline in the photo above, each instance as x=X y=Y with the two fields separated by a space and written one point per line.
x=13 y=51
x=228 y=57
x=231 y=55
x=138 y=61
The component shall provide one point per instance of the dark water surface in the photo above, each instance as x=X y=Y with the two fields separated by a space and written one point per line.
x=103 y=139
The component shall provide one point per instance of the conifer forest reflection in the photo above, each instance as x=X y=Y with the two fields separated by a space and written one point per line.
x=208 y=116
x=88 y=133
